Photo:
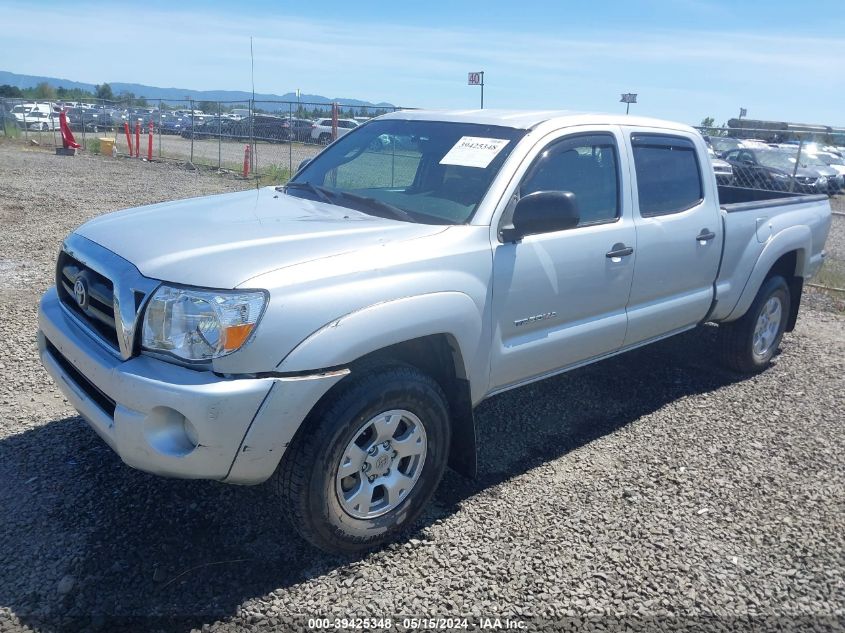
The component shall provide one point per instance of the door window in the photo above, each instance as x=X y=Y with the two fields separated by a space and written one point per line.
x=584 y=165
x=668 y=174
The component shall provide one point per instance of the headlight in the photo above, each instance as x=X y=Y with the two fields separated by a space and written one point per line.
x=200 y=324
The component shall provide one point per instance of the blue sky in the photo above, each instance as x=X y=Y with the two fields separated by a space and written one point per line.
x=686 y=59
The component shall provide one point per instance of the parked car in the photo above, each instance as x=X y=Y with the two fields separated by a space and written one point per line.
x=772 y=169
x=265 y=127
x=299 y=129
x=172 y=125
x=261 y=127
x=104 y=120
x=335 y=334
x=321 y=129
x=814 y=162
x=27 y=114
x=722 y=144
x=722 y=168
x=837 y=163
x=78 y=117
x=210 y=128
x=40 y=120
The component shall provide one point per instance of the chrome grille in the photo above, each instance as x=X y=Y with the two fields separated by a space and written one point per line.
x=97 y=308
x=103 y=292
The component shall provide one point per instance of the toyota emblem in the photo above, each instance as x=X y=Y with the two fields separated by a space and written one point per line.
x=80 y=292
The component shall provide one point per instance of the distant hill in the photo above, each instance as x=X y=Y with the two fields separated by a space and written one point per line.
x=176 y=94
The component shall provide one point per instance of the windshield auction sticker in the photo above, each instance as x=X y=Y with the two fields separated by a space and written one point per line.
x=474 y=151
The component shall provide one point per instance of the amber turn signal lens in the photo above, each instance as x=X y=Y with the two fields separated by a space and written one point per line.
x=235 y=335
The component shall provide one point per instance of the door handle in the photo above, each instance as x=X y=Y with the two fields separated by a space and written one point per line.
x=705 y=236
x=619 y=250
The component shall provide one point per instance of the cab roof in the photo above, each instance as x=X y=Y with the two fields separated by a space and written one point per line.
x=528 y=119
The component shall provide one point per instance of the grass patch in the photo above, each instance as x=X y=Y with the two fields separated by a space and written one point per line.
x=273 y=175
x=832 y=275
x=11 y=130
x=92 y=145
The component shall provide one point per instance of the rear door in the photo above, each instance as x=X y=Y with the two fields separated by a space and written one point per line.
x=679 y=233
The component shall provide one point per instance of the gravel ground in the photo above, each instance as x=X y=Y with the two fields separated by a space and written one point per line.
x=653 y=485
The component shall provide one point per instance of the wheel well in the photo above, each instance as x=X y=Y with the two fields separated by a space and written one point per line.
x=439 y=356
x=787 y=267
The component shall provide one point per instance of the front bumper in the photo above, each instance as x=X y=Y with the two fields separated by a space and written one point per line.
x=170 y=420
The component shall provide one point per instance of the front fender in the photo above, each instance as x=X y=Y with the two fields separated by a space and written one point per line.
x=375 y=327
x=794 y=238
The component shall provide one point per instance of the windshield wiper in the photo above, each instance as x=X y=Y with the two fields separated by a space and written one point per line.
x=317 y=191
x=372 y=204
x=377 y=206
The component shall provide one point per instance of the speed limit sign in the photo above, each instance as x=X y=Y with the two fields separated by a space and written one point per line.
x=474 y=79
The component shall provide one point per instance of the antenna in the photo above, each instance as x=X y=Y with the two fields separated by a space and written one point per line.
x=252 y=65
x=252 y=111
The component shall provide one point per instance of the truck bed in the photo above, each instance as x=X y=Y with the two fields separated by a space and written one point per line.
x=778 y=222
x=733 y=199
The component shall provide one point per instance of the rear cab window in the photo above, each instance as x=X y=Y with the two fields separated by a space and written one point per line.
x=668 y=174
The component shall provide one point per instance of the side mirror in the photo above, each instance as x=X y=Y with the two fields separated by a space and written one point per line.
x=542 y=212
x=302 y=165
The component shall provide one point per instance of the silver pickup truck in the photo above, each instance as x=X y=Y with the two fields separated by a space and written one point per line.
x=335 y=334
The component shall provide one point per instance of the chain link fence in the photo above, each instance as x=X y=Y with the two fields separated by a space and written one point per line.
x=266 y=139
x=785 y=160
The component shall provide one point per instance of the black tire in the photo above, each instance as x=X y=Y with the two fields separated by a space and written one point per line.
x=305 y=482
x=737 y=339
x=325 y=139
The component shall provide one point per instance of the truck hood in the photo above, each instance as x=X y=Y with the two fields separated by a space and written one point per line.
x=223 y=241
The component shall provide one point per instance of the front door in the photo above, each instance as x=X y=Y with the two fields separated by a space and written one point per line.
x=559 y=298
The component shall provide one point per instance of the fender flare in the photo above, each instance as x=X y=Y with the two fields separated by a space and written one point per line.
x=794 y=238
x=378 y=326
x=369 y=329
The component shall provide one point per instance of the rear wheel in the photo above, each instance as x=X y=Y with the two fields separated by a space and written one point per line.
x=368 y=459
x=749 y=343
x=325 y=139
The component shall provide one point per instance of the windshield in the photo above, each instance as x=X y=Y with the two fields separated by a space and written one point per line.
x=810 y=160
x=722 y=145
x=831 y=159
x=431 y=172
x=778 y=160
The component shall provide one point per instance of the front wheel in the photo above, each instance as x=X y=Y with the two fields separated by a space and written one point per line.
x=749 y=343
x=368 y=459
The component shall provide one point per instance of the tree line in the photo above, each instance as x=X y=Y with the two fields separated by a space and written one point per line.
x=46 y=92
